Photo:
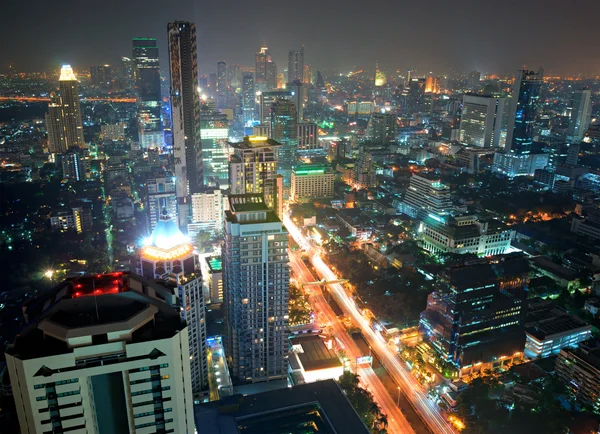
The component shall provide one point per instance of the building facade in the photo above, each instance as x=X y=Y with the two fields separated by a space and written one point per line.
x=296 y=65
x=214 y=135
x=208 y=212
x=256 y=279
x=481 y=122
x=579 y=369
x=311 y=181
x=581 y=115
x=524 y=106
x=160 y=195
x=426 y=195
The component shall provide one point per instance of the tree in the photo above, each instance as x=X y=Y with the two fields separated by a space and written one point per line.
x=203 y=242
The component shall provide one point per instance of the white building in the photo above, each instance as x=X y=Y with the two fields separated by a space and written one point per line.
x=256 y=279
x=581 y=115
x=160 y=195
x=426 y=195
x=208 y=212
x=113 y=363
x=481 y=121
x=308 y=136
x=311 y=181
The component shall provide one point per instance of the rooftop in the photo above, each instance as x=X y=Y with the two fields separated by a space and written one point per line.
x=254 y=142
x=551 y=320
x=215 y=264
x=316 y=355
x=272 y=412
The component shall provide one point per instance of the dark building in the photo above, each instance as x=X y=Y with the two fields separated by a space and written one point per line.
x=284 y=129
x=248 y=96
x=523 y=110
x=100 y=75
x=477 y=320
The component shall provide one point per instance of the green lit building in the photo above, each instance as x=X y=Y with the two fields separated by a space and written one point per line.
x=214 y=134
x=311 y=181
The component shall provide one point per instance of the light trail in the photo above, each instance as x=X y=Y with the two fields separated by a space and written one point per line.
x=415 y=393
x=45 y=99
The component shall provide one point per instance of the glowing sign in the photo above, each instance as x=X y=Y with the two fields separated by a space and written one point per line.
x=364 y=360
x=258 y=138
x=66 y=73
x=156 y=253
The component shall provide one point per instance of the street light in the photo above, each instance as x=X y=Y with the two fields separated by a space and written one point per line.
x=49 y=273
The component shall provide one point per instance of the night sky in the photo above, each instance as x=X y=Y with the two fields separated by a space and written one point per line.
x=434 y=35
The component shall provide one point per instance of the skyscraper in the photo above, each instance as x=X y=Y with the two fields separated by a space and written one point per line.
x=168 y=255
x=260 y=71
x=474 y=79
x=100 y=75
x=284 y=130
x=256 y=290
x=265 y=103
x=147 y=86
x=160 y=196
x=63 y=120
x=248 y=97
x=364 y=172
x=221 y=77
x=381 y=128
x=296 y=65
x=252 y=164
x=103 y=359
x=581 y=115
x=214 y=134
x=523 y=109
x=185 y=112
x=482 y=120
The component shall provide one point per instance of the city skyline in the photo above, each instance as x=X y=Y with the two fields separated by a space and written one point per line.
x=436 y=42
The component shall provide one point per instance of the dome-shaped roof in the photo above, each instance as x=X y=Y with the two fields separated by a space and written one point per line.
x=166 y=234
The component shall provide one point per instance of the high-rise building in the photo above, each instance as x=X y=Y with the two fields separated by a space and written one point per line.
x=432 y=84
x=477 y=321
x=320 y=81
x=426 y=195
x=256 y=280
x=160 y=196
x=260 y=71
x=581 y=115
x=73 y=164
x=311 y=181
x=147 y=87
x=308 y=136
x=482 y=119
x=298 y=92
x=380 y=77
x=523 y=110
x=296 y=65
x=100 y=75
x=363 y=176
x=169 y=255
x=284 y=130
x=253 y=162
x=214 y=134
x=104 y=360
x=127 y=73
x=579 y=370
x=208 y=212
x=248 y=97
x=234 y=78
x=474 y=80
x=266 y=100
x=308 y=78
x=63 y=120
x=185 y=111
x=221 y=77
x=381 y=128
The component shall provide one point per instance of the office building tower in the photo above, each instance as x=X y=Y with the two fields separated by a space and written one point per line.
x=381 y=128
x=482 y=120
x=212 y=85
x=261 y=130
x=169 y=255
x=100 y=75
x=265 y=103
x=581 y=115
x=363 y=176
x=477 y=321
x=74 y=165
x=127 y=73
x=248 y=97
x=63 y=120
x=214 y=134
x=296 y=65
x=474 y=80
x=298 y=92
x=426 y=195
x=103 y=360
x=185 y=110
x=208 y=212
x=160 y=196
x=432 y=84
x=308 y=136
x=256 y=280
x=579 y=370
x=573 y=154
x=260 y=70
x=320 y=81
x=221 y=77
x=234 y=77
x=147 y=87
x=272 y=77
x=284 y=130
x=308 y=78
x=310 y=181
x=523 y=110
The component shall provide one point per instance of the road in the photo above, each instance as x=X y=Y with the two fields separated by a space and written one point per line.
x=415 y=393
x=397 y=423
x=46 y=99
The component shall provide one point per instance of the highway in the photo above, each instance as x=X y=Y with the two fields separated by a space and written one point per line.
x=46 y=99
x=415 y=393
x=397 y=423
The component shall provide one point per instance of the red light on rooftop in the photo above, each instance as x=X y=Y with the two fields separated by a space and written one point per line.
x=77 y=294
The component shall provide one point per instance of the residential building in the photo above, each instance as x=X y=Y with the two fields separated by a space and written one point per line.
x=464 y=234
x=256 y=279
x=311 y=181
x=77 y=218
x=103 y=360
x=360 y=108
x=308 y=136
x=160 y=196
x=581 y=115
x=248 y=97
x=168 y=255
x=147 y=86
x=252 y=163
x=100 y=75
x=214 y=278
x=363 y=176
x=208 y=212
x=426 y=195
x=482 y=120
x=381 y=128
x=185 y=112
x=74 y=164
x=266 y=101
x=113 y=132
x=476 y=322
x=549 y=328
x=63 y=120
x=579 y=369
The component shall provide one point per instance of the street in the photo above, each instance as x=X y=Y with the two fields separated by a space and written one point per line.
x=416 y=394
